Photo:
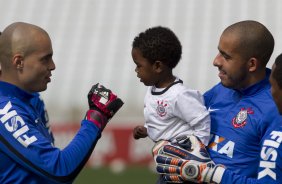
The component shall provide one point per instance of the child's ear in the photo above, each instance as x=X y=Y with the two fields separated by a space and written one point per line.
x=158 y=66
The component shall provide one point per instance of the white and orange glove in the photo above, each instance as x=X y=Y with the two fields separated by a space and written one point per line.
x=103 y=104
x=186 y=160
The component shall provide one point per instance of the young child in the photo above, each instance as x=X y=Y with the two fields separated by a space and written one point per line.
x=171 y=110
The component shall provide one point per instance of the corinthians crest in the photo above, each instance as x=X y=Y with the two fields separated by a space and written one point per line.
x=241 y=119
x=161 y=108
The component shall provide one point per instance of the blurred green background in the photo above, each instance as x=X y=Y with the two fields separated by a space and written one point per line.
x=104 y=175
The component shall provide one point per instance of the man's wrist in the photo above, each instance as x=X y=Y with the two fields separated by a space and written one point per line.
x=96 y=118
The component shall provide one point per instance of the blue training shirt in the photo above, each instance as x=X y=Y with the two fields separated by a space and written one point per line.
x=38 y=104
x=239 y=122
x=27 y=154
x=270 y=165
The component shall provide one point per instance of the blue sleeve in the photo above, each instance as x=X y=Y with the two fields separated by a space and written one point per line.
x=230 y=177
x=24 y=144
x=270 y=166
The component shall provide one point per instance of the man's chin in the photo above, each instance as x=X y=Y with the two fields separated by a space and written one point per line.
x=42 y=88
x=226 y=84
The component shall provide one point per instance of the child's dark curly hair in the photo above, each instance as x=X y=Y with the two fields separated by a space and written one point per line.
x=159 y=44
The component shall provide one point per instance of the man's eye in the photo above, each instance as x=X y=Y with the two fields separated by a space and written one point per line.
x=226 y=56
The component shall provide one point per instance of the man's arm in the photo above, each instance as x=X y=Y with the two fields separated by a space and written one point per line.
x=185 y=167
x=26 y=145
x=34 y=152
x=270 y=166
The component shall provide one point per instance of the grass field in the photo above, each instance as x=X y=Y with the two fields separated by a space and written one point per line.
x=136 y=175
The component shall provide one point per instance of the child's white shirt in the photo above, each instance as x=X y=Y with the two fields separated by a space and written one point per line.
x=175 y=111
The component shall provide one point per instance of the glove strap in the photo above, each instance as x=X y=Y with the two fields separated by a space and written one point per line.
x=218 y=172
x=97 y=118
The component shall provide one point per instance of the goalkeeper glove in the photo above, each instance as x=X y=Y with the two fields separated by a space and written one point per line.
x=103 y=104
x=193 y=163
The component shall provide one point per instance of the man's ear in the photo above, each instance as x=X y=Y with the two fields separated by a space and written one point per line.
x=253 y=64
x=158 y=66
x=18 y=61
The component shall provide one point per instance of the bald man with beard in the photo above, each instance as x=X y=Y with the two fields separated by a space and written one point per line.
x=242 y=111
x=27 y=154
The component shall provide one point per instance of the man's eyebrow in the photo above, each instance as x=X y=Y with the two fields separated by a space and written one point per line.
x=47 y=56
x=221 y=51
x=224 y=54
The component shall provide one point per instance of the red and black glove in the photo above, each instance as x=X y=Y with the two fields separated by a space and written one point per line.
x=103 y=104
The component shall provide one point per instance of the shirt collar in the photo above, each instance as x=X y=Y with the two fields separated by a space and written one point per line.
x=257 y=86
x=10 y=90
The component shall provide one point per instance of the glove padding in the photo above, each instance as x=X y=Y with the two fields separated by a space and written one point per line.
x=104 y=100
x=185 y=160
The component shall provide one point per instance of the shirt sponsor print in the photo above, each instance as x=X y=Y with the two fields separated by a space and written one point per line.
x=269 y=155
x=15 y=125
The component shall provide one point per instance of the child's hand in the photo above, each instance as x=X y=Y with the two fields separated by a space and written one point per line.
x=139 y=132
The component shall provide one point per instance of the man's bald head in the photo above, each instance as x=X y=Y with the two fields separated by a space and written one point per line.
x=26 y=56
x=254 y=40
x=19 y=38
